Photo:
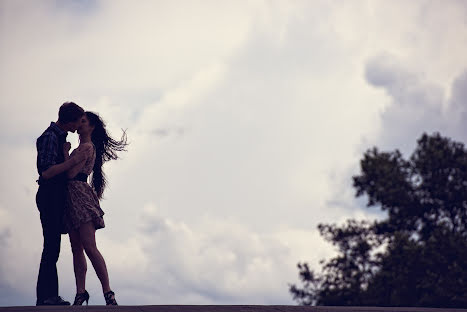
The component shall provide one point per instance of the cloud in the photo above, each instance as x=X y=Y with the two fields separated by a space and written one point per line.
x=9 y=289
x=417 y=105
x=164 y=261
x=457 y=106
x=5 y=222
x=246 y=123
x=215 y=260
x=114 y=50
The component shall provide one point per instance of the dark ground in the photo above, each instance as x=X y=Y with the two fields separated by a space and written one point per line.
x=221 y=308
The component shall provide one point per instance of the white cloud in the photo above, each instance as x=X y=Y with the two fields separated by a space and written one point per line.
x=214 y=260
x=417 y=105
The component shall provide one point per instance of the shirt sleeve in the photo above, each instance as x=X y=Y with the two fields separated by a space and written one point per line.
x=47 y=151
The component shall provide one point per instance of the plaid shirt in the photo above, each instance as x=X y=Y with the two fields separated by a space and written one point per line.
x=49 y=147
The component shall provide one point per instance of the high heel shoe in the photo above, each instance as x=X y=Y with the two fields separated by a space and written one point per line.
x=81 y=298
x=110 y=298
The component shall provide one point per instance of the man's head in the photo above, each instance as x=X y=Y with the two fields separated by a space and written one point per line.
x=69 y=116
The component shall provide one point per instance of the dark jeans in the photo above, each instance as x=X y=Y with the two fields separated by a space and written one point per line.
x=50 y=200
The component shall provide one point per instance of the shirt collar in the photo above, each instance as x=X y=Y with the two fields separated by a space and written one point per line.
x=58 y=130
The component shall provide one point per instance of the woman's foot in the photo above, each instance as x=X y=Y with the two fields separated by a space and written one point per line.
x=110 y=298
x=81 y=298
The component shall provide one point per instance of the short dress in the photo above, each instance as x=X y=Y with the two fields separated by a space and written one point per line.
x=82 y=204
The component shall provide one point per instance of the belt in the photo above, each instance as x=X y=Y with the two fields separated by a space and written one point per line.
x=83 y=177
x=55 y=181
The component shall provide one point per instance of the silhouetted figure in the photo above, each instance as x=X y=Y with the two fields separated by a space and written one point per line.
x=50 y=198
x=83 y=215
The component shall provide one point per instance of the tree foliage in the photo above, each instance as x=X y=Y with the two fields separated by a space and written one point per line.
x=417 y=255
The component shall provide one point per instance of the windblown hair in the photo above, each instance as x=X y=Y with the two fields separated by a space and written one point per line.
x=106 y=149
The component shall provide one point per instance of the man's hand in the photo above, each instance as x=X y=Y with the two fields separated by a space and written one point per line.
x=66 y=147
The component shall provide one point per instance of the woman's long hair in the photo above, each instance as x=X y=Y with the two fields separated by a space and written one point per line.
x=106 y=149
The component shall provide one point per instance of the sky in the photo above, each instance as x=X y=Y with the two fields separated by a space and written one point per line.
x=246 y=122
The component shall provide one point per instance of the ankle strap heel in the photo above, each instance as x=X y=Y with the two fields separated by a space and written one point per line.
x=110 y=298
x=81 y=298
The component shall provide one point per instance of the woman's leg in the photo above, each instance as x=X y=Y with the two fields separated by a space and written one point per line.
x=88 y=239
x=79 y=261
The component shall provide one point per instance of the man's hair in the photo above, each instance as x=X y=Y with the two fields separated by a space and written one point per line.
x=70 y=112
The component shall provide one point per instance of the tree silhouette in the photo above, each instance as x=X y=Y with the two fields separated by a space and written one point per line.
x=417 y=255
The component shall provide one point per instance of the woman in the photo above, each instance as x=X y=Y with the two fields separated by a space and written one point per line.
x=83 y=215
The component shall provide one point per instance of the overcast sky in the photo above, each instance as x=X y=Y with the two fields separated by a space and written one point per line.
x=247 y=120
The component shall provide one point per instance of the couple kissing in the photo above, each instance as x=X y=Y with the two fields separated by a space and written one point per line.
x=68 y=204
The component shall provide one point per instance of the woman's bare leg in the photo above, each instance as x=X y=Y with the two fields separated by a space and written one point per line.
x=88 y=239
x=79 y=261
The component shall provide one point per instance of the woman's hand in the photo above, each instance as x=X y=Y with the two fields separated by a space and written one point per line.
x=80 y=155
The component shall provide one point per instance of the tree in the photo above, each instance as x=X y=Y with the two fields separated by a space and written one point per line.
x=417 y=255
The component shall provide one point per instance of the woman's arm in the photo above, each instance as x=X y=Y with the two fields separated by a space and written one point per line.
x=85 y=148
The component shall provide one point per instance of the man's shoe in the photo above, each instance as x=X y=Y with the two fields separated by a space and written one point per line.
x=57 y=300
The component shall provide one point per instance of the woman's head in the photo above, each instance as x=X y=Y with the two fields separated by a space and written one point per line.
x=106 y=148
x=85 y=127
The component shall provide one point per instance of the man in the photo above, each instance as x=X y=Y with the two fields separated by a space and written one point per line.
x=51 y=195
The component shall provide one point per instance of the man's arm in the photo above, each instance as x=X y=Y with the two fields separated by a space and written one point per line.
x=54 y=170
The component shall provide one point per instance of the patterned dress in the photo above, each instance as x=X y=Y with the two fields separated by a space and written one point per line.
x=82 y=204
